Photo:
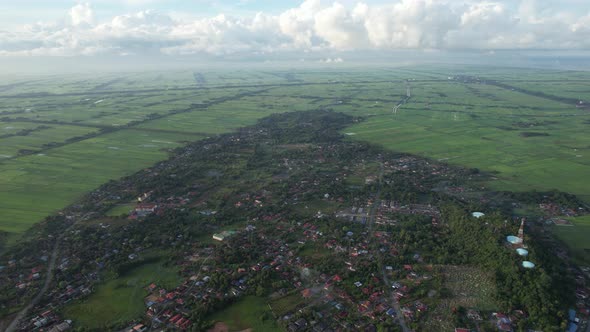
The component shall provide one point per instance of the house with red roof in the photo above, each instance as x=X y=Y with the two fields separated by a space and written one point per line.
x=175 y=318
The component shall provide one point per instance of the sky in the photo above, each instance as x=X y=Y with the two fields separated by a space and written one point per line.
x=218 y=28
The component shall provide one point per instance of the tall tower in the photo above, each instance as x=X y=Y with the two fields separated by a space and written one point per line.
x=521 y=230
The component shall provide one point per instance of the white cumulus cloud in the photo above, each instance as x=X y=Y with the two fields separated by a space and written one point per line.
x=81 y=14
x=314 y=25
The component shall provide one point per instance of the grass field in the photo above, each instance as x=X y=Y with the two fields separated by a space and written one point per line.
x=287 y=304
x=247 y=313
x=577 y=237
x=121 y=209
x=120 y=300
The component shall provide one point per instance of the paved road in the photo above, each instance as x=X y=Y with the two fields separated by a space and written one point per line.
x=371 y=222
x=48 y=277
x=403 y=100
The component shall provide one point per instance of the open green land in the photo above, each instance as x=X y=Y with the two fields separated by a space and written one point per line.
x=287 y=304
x=63 y=136
x=121 y=209
x=249 y=312
x=34 y=186
x=576 y=237
x=230 y=115
x=38 y=137
x=528 y=141
x=122 y=299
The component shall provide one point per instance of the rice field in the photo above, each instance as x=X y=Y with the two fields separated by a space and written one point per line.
x=63 y=136
x=576 y=237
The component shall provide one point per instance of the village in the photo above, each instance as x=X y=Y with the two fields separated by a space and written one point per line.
x=332 y=243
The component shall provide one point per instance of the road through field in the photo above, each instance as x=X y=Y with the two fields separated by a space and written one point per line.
x=48 y=277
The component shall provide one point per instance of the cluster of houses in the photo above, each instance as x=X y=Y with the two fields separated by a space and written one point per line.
x=582 y=309
x=168 y=308
x=142 y=210
x=355 y=214
x=222 y=236
x=47 y=321
x=420 y=170
x=560 y=222
x=554 y=210
x=24 y=276
x=422 y=209
x=148 y=204
x=387 y=208
x=253 y=200
x=503 y=322
x=336 y=307
x=372 y=304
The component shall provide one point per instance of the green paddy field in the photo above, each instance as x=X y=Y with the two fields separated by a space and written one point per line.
x=60 y=137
